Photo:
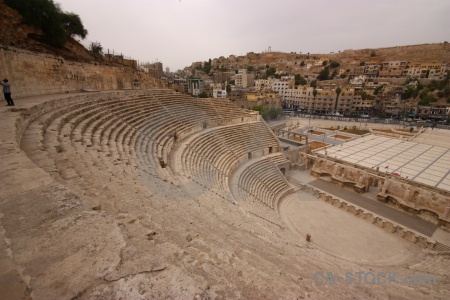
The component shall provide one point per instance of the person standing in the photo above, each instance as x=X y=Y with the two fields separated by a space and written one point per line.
x=7 y=92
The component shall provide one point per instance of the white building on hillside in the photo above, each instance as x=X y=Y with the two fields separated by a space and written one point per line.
x=281 y=87
x=219 y=93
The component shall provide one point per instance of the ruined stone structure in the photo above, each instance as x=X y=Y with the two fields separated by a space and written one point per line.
x=411 y=196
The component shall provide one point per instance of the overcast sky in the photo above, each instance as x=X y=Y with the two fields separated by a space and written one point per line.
x=179 y=32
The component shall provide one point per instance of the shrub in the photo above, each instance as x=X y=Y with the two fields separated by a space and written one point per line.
x=334 y=64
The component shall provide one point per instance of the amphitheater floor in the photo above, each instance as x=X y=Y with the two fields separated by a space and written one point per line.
x=342 y=234
x=371 y=204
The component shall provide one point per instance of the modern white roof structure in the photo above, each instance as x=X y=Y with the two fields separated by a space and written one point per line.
x=423 y=163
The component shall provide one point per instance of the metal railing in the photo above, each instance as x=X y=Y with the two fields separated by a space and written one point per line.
x=373 y=120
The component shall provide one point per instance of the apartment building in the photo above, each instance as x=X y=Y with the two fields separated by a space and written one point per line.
x=303 y=98
x=153 y=68
x=396 y=64
x=221 y=77
x=391 y=73
x=357 y=71
x=438 y=73
x=280 y=87
x=244 y=79
x=434 y=71
x=393 y=69
x=263 y=84
x=358 y=81
x=195 y=86
x=372 y=70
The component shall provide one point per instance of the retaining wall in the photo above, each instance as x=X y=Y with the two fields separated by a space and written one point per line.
x=32 y=74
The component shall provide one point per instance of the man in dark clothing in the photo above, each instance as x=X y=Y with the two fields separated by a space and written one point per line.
x=7 y=92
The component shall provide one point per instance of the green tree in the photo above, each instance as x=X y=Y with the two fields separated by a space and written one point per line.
x=207 y=66
x=343 y=75
x=447 y=91
x=334 y=64
x=299 y=80
x=96 y=48
x=270 y=71
x=378 y=89
x=315 y=95
x=338 y=92
x=410 y=93
x=334 y=74
x=313 y=84
x=73 y=25
x=433 y=85
x=363 y=63
x=324 y=63
x=423 y=93
x=302 y=64
x=56 y=25
x=427 y=99
x=264 y=112
x=373 y=54
x=324 y=74
x=275 y=112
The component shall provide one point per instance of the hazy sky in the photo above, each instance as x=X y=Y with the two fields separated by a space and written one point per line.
x=179 y=32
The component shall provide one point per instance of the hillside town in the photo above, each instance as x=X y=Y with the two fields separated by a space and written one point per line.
x=327 y=85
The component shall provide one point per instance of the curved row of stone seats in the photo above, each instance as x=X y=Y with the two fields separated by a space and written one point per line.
x=210 y=156
x=131 y=128
x=263 y=180
x=52 y=133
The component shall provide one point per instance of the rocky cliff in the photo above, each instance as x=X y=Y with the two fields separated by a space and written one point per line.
x=31 y=73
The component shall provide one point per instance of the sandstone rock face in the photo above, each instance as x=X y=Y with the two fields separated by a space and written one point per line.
x=33 y=74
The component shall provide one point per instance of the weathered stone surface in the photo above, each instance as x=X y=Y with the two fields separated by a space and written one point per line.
x=37 y=74
x=406 y=194
x=125 y=231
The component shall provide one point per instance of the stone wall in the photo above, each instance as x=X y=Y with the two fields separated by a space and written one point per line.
x=425 y=202
x=343 y=175
x=32 y=74
x=418 y=199
x=298 y=157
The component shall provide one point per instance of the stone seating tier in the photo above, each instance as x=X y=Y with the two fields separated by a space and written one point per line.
x=112 y=125
x=139 y=133
x=263 y=180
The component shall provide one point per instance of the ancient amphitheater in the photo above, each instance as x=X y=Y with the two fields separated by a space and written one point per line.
x=151 y=194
